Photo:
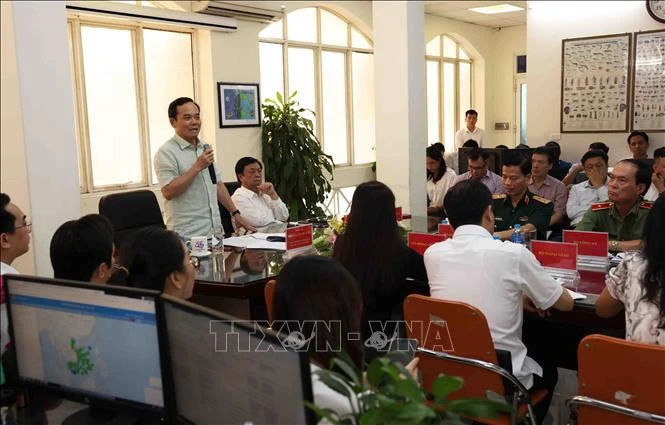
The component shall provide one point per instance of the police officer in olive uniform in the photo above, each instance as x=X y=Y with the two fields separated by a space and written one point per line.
x=517 y=205
x=624 y=214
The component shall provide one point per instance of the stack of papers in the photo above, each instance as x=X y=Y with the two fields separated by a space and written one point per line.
x=256 y=241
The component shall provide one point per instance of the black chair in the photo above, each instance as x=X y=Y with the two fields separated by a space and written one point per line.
x=224 y=213
x=129 y=212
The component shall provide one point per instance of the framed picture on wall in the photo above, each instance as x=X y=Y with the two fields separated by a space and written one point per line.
x=595 y=84
x=238 y=105
x=649 y=82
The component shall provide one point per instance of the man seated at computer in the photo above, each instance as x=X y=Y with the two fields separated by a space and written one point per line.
x=517 y=205
x=582 y=195
x=478 y=163
x=83 y=250
x=496 y=277
x=623 y=215
x=257 y=200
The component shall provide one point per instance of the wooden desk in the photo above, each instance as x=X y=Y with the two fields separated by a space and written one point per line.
x=232 y=282
x=557 y=336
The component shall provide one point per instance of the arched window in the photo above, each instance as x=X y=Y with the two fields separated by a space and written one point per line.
x=330 y=63
x=448 y=89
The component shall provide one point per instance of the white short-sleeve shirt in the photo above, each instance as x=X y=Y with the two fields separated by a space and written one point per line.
x=492 y=276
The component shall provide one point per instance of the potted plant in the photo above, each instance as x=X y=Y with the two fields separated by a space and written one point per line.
x=293 y=158
x=388 y=394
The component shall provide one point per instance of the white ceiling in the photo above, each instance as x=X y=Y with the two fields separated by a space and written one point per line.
x=458 y=10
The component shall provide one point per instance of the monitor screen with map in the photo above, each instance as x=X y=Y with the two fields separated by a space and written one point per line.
x=86 y=342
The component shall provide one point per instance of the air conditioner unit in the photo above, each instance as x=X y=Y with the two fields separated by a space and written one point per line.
x=122 y=11
x=257 y=11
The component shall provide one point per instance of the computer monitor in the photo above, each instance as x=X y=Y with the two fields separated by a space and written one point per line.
x=95 y=344
x=232 y=371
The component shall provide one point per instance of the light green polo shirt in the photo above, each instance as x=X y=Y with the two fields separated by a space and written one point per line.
x=195 y=211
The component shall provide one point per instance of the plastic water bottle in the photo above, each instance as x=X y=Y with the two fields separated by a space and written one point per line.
x=444 y=221
x=517 y=236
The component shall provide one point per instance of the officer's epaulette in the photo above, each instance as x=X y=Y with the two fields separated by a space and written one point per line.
x=499 y=196
x=541 y=199
x=598 y=206
x=646 y=204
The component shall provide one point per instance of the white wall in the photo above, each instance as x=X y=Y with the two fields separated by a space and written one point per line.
x=13 y=173
x=508 y=42
x=548 y=22
x=46 y=106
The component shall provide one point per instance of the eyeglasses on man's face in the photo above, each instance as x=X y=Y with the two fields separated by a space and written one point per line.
x=27 y=224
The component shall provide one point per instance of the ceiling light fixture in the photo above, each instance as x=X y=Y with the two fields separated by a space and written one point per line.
x=499 y=8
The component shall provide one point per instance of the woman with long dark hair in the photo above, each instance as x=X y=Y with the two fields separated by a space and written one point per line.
x=372 y=249
x=638 y=284
x=319 y=298
x=439 y=179
x=157 y=259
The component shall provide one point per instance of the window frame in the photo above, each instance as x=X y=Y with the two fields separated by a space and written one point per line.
x=440 y=60
x=318 y=48
x=74 y=22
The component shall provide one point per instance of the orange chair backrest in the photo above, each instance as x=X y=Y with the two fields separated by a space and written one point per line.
x=269 y=294
x=454 y=328
x=625 y=373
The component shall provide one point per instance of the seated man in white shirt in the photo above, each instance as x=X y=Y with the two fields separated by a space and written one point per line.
x=582 y=195
x=15 y=230
x=469 y=131
x=257 y=200
x=499 y=278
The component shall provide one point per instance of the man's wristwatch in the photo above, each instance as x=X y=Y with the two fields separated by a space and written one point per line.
x=614 y=246
x=234 y=213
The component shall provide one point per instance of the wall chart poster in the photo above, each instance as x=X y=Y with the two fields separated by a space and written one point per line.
x=595 y=82
x=649 y=81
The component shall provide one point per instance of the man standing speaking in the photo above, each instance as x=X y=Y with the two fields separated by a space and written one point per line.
x=190 y=183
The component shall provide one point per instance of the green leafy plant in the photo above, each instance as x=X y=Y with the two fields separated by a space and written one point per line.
x=388 y=394
x=293 y=158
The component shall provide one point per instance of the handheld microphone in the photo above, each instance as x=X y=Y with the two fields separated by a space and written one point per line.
x=211 y=167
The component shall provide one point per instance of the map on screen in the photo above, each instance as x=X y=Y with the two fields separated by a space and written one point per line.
x=100 y=344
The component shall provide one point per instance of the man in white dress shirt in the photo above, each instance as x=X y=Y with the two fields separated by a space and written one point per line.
x=499 y=278
x=257 y=200
x=469 y=131
x=15 y=230
x=593 y=190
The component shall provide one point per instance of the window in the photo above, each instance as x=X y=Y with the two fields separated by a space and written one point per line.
x=329 y=63
x=448 y=68
x=125 y=76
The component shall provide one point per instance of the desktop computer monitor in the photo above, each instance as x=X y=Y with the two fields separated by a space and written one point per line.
x=95 y=344
x=225 y=370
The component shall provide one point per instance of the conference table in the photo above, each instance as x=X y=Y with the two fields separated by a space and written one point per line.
x=233 y=282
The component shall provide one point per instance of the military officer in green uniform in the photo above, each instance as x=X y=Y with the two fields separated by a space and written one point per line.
x=517 y=205
x=624 y=214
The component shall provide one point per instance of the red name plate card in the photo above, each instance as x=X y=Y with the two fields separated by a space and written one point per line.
x=419 y=242
x=446 y=230
x=558 y=255
x=398 y=213
x=588 y=243
x=298 y=237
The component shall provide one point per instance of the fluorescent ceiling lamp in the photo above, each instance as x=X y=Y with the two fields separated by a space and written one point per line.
x=498 y=8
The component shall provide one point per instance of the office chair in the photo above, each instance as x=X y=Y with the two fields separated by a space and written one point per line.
x=225 y=215
x=620 y=382
x=129 y=212
x=269 y=294
x=454 y=339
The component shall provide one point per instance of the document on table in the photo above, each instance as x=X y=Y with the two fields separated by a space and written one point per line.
x=256 y=241
x=575 y=295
